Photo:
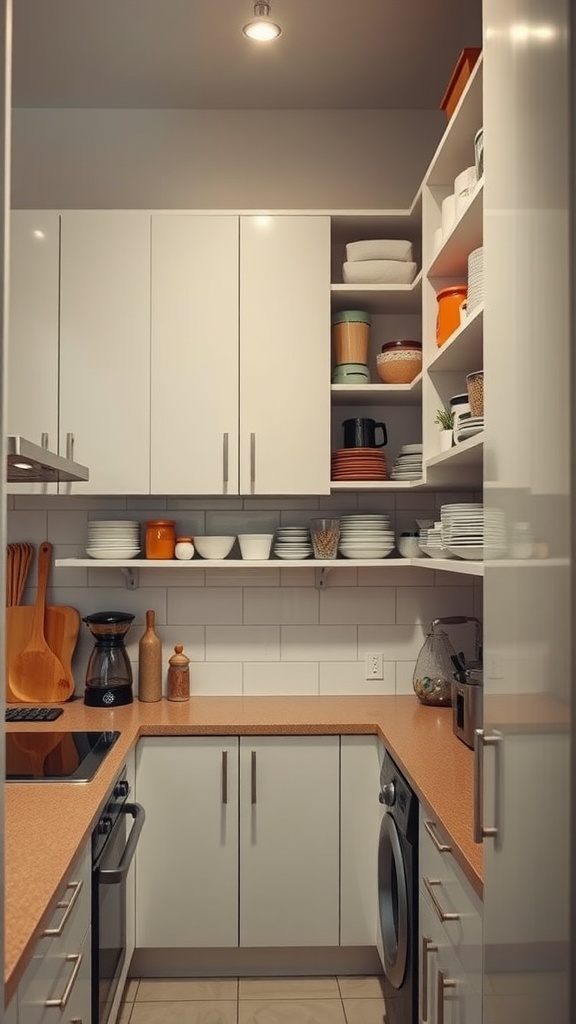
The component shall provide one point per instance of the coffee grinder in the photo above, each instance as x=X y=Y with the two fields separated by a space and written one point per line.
x=109 y=673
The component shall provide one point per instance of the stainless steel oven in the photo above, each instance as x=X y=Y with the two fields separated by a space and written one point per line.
x=113 y=847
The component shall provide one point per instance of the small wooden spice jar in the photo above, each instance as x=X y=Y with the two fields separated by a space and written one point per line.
x=179 y=675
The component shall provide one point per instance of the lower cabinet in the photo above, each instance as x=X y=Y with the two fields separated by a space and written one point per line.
x=55 y=988
x=450 y=934
x=361 y=812
x=241 y=845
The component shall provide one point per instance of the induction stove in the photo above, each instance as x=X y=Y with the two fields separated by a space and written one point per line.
x=50 y=756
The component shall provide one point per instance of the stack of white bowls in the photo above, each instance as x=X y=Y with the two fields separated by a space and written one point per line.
x=113 y=538
x=475 y=280
x=408 y=465
x=366 y=536
x=430 y=542
x=293 y=542
x=471 y=531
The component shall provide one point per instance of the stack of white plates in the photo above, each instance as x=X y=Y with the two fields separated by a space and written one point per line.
x=431 y=542
x=113 y=538
x=471 y=531
x=365 y=536
x=408 y=465
x=467 y=427
x=293 y=542
x=475 y=279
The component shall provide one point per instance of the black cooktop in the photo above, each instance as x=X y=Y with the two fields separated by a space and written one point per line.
x=47 y=756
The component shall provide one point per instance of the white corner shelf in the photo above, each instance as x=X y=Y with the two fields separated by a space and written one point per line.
x=378 y=298
x=465 y=236
x=461 y=466
x=455 y=151
x=377 y=394
x=458 y=565
x=464 y=349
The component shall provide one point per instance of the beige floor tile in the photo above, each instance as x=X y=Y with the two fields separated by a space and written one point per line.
x=288 y=988
x=364 y=1011
x=165 y=989
x=130 y=990
x=288 y=1011
x=361 y=987
x=194 y=1011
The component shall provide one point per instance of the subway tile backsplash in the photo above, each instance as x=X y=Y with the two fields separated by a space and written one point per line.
x=258 y=631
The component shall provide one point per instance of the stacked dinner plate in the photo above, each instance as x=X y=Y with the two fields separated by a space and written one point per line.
x=293 y=542
x=113 y=538
x=470 y=530
x=408 y=465
x=430 y=542
x=365 y=536
x=475 y=279
x=359 y=464
x=468 y=427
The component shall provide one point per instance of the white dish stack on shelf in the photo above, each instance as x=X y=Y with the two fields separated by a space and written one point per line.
x=430 y=542
x=379 y=261
x=475 y=280
x=113 y=538
x=471 y=531
x=408 y=464
x=293 y=542
x=366 y=536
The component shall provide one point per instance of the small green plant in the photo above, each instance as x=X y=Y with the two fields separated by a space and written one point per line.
x=444 y=419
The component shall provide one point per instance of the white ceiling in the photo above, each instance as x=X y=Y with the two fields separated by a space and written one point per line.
x=339 y=54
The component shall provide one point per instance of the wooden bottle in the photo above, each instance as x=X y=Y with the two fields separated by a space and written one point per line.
x=150 y=663
x=179 y=675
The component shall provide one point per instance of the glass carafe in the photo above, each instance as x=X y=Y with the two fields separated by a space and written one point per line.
x=109 y=673
x=434 y=669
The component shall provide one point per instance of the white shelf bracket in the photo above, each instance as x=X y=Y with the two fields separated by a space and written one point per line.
x=321 y=578
x=131 y=577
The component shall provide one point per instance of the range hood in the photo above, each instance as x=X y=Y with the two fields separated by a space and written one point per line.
x=31 y=464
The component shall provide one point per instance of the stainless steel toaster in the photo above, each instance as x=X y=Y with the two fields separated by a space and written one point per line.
x=467 y=705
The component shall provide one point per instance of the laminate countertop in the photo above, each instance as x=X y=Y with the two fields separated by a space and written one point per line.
x=46 y=824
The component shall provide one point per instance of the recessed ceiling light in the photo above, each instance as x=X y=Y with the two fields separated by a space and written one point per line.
x=261 y=29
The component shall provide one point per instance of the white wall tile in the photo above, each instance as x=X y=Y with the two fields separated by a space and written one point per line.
x=404 y=675
x=191 y=638
x=206 y=605
x=242 y=643
x=29 y=526
x=228 y=523
x=416 y=501
x=452 y=579
x=283 y=605
x=319 y=643
x=397 y=643
x=395 y=576
x=406 y=518
x=349 y=678
x=336 y=577
x=243 y=577
x=289 y=505
x=280 y=677
x=376 y=502
x=298 y=577
x=77 y=502
x=215 y=679
x=179 y=576
x=68 y=527
x=422 y=604
x=358 y=604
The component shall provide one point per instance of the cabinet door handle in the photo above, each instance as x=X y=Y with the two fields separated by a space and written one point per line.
x=67 y=908
x=225 y=476
x=224 y=776
x=252 y=463
x=430 y=827
x=481 y=830
x=69 y=445
x=443 y=984
x=253 y=777
x=443 y=915
x=427 y=947
x=72 y=958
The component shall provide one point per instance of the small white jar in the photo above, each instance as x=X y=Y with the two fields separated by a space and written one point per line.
x=184 y=548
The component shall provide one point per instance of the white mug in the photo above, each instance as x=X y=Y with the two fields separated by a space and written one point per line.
x=448 y=214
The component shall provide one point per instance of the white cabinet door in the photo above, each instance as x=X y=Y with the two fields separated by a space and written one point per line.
x=105 y=349
x=32 y=363
x=187 y=856
x=360 y=817
x=289 y=838
x=285 y=355
x=194 y=415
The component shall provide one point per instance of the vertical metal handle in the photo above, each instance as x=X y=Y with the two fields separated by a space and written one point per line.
x=69 y=445
x=252 y=462
x=427 y=947
x=443 y=915
x=253 y=777
x=480 y=829
x=443 y=984
x=225 y=474
x=76 y=959
x=66 y=907
x=430 y=827
x=224 y=776
x=44 y=440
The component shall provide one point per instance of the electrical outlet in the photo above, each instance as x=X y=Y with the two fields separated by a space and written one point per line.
x=374 y=668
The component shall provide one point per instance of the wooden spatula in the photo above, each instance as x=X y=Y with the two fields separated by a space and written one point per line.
x=36 y=669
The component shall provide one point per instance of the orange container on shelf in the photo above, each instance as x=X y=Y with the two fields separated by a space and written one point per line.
x=450 y=301
x=160 y=538
x=460 y=75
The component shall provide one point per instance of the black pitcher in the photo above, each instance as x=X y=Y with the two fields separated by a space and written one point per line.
x=361 y=433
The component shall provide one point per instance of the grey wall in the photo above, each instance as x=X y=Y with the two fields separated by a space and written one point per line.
x=202 y=159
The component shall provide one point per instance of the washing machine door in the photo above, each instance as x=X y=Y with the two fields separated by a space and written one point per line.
x=393 y=901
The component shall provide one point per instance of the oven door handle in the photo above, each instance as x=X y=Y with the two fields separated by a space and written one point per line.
x=113 y=876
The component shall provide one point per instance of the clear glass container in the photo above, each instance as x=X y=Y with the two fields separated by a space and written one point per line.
x=434 y=670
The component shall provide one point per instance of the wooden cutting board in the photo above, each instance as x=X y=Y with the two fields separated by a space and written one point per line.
x=61 y=628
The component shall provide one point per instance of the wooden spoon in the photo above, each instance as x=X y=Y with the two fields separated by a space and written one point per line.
x=36 y=673
x=27 y=550
x=9 y=561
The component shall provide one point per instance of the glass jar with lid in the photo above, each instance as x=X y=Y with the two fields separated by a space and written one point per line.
x=160 y=538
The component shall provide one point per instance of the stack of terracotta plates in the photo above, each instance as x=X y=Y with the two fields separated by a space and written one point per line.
x=359 y=464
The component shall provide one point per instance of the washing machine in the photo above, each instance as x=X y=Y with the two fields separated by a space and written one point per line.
x=398 y=895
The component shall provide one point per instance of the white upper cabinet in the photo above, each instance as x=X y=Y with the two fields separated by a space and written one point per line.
x=105 y=349
x=32 y=389
x=285 y=355
x=194 y=398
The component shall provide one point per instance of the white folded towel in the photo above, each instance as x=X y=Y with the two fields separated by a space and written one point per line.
x=379 y=249
x=378 y=272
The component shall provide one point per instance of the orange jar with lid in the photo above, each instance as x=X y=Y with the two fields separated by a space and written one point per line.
x=450 y=302
x=160 y=538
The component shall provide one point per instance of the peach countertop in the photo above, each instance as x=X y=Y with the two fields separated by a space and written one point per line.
x=47 y=823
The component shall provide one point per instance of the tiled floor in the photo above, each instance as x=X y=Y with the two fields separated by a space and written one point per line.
x=330 y=1000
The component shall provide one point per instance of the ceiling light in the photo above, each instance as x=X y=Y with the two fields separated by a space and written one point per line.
x=261 y=29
